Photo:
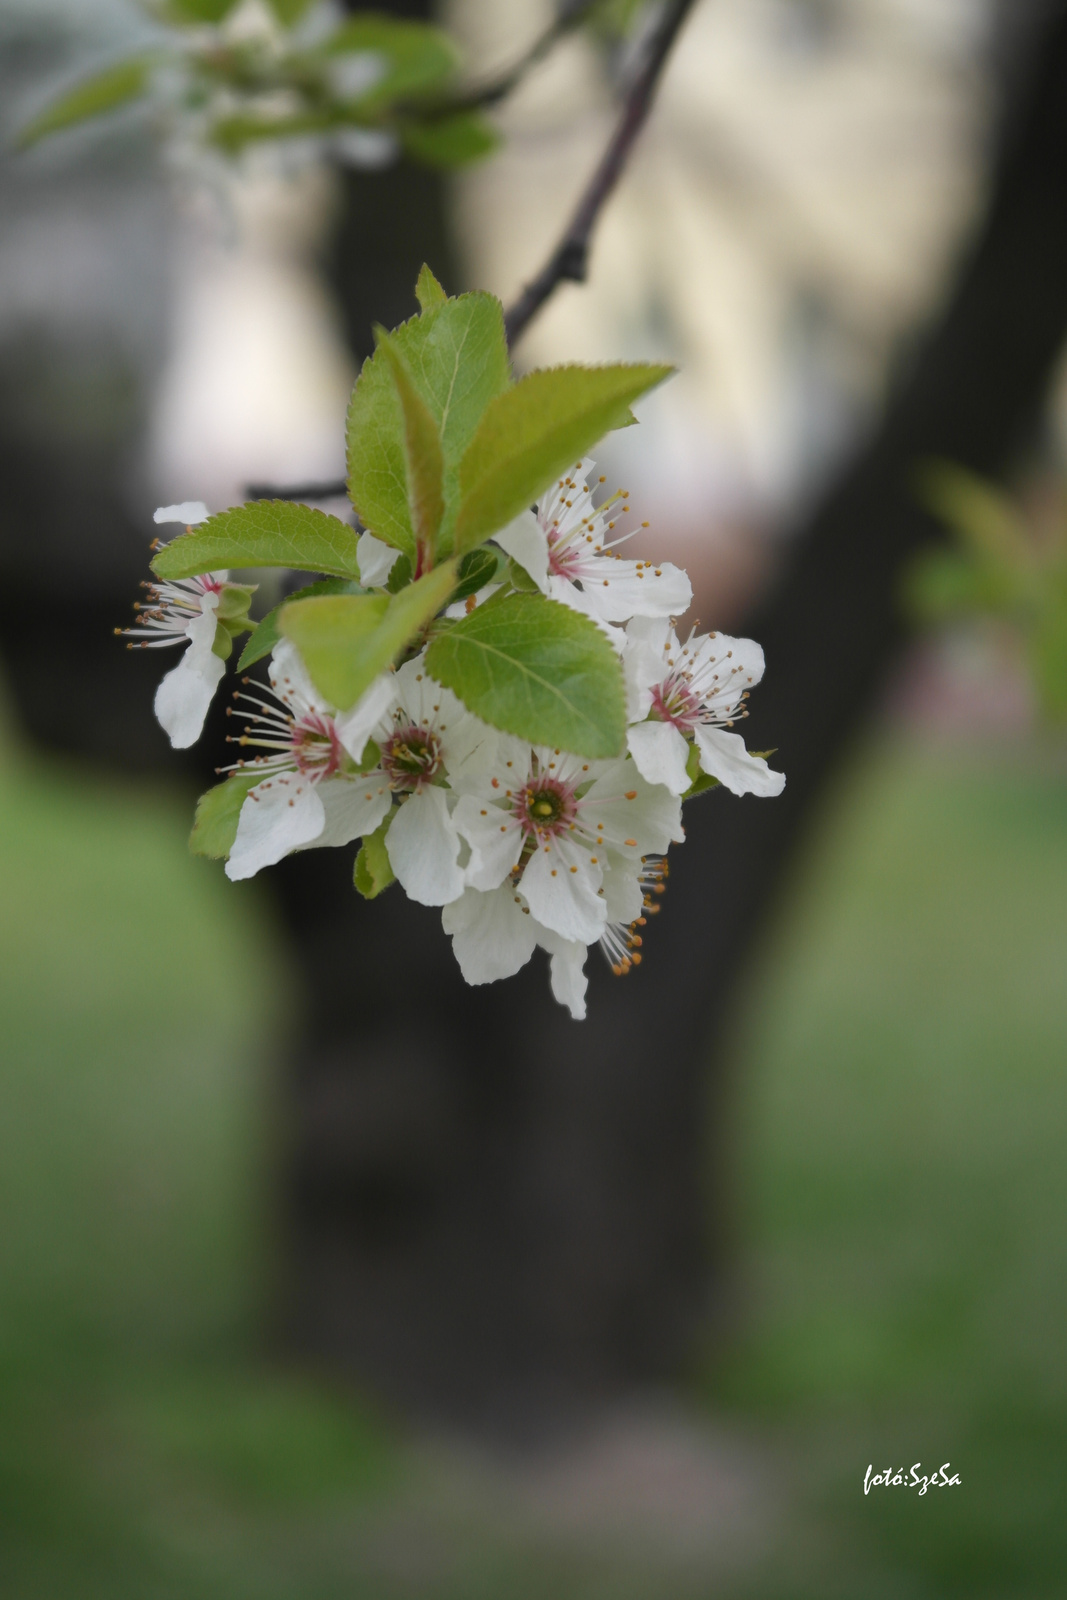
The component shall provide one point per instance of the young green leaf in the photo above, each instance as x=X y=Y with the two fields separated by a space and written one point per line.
x=535 y=668
x=346 y=640
x=428 y=292
x=418 y=58
x=198 y=10
x=422 y=451
x=534 y=432
x=217 y=814
x=477 y=568
x=699 y=781
x=115 y=86
x=373 y=870
x=448 y=142
x=288 y=12
x=457 y=358
x=265 y=533
x=267 y=632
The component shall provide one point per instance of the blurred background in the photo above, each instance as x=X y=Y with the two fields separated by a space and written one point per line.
x=879 y=1194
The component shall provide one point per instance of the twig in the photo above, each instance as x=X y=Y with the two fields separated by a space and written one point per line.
x=298 y=491
x=570 y=14
x=570 y=259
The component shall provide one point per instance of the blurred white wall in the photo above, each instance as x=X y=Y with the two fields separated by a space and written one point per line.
x=793 y=209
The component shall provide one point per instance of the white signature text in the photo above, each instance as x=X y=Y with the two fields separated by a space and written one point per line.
x=892 y=1478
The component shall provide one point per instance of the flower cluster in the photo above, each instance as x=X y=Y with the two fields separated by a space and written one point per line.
x=523 y=845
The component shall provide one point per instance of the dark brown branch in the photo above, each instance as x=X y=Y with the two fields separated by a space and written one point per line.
x=570 y=259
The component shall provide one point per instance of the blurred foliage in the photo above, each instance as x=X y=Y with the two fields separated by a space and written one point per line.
x=904 y=1117
x=1007 y=564
x=242 y=72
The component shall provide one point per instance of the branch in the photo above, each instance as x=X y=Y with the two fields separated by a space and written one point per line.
x=570 y=259
x=570 y=14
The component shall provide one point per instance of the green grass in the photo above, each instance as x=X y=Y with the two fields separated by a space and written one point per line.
x=898 y=1146
x=903 y=1087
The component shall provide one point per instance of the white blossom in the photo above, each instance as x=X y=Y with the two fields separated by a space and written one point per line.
x=693 y=689
x=376 y=559
x=427 y=739
x=558 y=824
x=179 y=613
x=311 y=792
x=494 y=935
x=568 y=547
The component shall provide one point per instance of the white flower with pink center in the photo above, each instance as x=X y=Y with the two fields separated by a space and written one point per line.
x=556 y=826
x=696 y=691
x=428 y=741
x=311 y=791
x=568 y=547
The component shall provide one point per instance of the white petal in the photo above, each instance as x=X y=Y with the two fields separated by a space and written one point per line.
x=660 y=752
x=623 y=894
x=494 y=837
x=423 y=846
x=565 y=901
x=526 y=542
x=723 y=756
x=375 y=559
x=566 y=971
x=492 y=936
x=190 y=512
x=279 y=815
x=632 y=809
x=616 y=592
x=183 y=698
x=353 y=74
x=292 y=681
x=480 y=596
x=351 y=809
x=355 y=727
x=475 y=753
x=567 y=594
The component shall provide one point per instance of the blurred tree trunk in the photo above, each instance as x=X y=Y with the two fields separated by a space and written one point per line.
x=497 y=1213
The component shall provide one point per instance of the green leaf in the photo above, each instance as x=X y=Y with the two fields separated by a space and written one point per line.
x=457 y=357
x=422 y=452
x=265 y=533
x=267 y=633
x=448 y=142
x=346 y=640
x=373 y=870
x=699 y=781
x=477 y=568
x=217 y=814
x=420 y=58
x=199 y=10
x=535 y=668
x=428 y=292
x=943 y=583
x=536 y=431
x=985 y=519
x=114 y=87
x=288 y=12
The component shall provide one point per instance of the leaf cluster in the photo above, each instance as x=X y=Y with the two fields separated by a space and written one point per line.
x=445 y=449
x=372 y=72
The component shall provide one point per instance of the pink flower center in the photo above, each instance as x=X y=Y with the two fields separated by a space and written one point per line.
x=564 y=556
x=209 y=584
x=673 y=701
x=545 y=807
x=317 y=751
x=411 y=758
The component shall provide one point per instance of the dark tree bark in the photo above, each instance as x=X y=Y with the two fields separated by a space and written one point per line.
x=491 y=1212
